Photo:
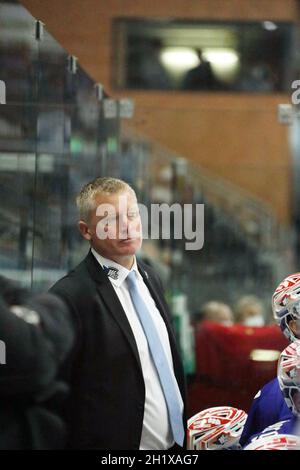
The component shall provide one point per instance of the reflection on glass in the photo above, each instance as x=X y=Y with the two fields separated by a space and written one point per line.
x=52 y=70
x=18 y=53
x=17 y=174
x=193 y=56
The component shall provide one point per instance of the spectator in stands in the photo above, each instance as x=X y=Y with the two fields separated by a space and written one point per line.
x=36 y=335
x=218 y=312
x=200 y=77
x=249 y=311
x=152 y=74
x=256 y=78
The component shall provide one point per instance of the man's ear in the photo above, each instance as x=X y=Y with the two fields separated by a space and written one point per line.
x=84 y=230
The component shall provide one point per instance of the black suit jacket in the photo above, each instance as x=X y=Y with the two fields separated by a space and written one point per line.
x=106 y=407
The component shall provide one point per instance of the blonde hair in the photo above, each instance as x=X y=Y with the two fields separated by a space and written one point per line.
x=243 y=305
x=85 y=200
x=213 y=310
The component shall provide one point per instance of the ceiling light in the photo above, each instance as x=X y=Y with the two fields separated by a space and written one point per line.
x=222 y=57
x=269 y=25
x=179 y=58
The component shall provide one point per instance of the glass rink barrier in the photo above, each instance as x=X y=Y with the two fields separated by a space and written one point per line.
x=215 y=216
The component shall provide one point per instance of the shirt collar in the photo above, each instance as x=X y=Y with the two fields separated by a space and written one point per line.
x=115 y=271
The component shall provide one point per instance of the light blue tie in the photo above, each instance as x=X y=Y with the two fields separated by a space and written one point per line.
x=165 y=374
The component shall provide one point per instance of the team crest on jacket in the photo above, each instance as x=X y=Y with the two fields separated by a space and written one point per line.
x=112 y=272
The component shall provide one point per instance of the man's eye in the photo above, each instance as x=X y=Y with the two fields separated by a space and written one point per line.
x=111 y=220
x=132 y=215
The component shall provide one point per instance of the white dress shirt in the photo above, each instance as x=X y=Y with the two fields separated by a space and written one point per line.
x=156 y=432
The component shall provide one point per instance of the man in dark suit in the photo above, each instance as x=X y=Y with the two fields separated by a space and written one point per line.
x=121 y=397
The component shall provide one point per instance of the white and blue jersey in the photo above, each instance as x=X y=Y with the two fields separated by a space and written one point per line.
x=268 y=408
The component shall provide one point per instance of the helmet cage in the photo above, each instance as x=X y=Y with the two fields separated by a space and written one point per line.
x=289 y=397
x=288 y=374
x=286 y=304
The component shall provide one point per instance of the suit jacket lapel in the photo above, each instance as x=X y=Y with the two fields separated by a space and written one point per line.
x=111 y=300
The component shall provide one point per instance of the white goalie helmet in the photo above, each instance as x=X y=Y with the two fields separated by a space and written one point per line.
x=286 y=304
x=215 y=428
x=278 y=442
x=288 y=373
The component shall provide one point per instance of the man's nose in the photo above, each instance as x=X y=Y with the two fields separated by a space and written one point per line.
x=123 y=224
